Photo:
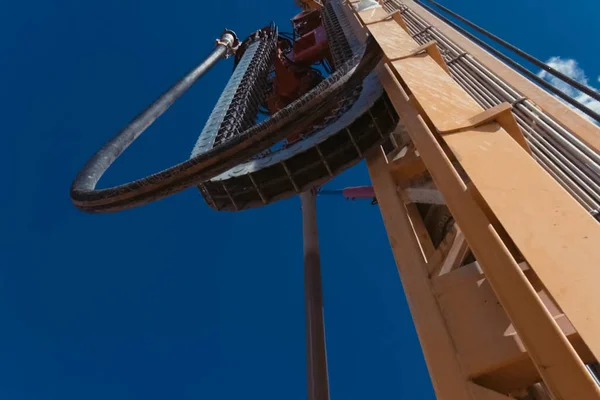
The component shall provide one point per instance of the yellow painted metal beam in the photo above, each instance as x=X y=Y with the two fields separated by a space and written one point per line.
x=490 y=350
x=555 y=358
x=447 y=376
x=554 y=233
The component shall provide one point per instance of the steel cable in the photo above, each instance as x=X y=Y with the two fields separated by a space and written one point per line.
x=571 y=162
x=586 y=110
x=565 y=78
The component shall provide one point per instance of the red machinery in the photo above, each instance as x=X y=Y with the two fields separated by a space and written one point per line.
x=294 y=72
x=295 y=61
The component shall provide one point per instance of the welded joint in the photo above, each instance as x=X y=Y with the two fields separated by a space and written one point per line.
x=290 y=177
x=421 y=32
x=354 y=143
x=230 y=196
x=484 y=117
x=257 y=188
x=502 y=115
x=400 y=7
x=403 y=8
x=393 y=16
x=432 y=51
x=324 y=160
x=208 y=195
x=458 y=57
x=519 y=101
x=376 y=125
x=230 y=41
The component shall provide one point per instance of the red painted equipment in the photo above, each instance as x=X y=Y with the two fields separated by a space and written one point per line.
x=353 y=193
x=295 y=72
x=311 y=45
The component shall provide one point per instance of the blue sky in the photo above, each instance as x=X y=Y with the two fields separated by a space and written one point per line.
x=174 y=300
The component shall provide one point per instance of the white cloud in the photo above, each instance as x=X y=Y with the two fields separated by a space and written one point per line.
x=569 y=67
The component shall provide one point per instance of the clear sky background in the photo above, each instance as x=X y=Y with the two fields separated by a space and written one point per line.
x=174 y=300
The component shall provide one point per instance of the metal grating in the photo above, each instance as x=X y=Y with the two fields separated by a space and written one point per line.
x=338 y=45
x=238 y=105
x=307 y=169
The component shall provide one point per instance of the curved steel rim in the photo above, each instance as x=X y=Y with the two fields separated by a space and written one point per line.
x=205 y=166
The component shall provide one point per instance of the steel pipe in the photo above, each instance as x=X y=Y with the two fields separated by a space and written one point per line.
x=316 y=357
x=585 y=89
x=573 y=164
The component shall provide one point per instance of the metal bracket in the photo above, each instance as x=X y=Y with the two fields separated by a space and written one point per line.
x=230 y=41
x=431 y=49
x=395 y=16
x=425 y=30
x=519 y=101
x=501 y=114
x=458 y=57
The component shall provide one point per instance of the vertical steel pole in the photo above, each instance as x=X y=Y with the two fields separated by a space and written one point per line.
x=316 y=359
